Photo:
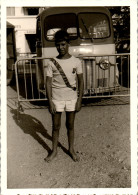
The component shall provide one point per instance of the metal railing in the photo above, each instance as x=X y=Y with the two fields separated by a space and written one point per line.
x=114 y=80
x=25 y=55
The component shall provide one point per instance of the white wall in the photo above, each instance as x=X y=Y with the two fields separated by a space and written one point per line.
x=23 y=25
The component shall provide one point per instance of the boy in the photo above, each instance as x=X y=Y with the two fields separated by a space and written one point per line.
x=63 y=96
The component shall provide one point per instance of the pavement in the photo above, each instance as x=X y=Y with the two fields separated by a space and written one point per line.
x=102 y=141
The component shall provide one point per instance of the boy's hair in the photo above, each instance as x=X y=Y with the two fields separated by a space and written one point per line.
x=61 y=35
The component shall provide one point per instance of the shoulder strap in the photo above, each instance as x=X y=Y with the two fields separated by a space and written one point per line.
x=62 y=74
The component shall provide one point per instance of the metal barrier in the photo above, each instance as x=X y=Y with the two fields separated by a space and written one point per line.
x=25 y=55
x=104 y=76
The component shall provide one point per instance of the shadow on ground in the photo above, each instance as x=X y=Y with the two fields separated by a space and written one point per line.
x=32 y=126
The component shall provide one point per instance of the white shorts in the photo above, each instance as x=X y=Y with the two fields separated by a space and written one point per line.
x=68 y=105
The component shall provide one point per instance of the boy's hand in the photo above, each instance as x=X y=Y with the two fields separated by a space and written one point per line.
x=52 y=108
x=78 y=105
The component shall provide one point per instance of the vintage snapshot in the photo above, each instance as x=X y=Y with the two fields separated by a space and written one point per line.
x=68 y=119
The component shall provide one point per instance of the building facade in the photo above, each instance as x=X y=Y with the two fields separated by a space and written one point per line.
x=24 y=20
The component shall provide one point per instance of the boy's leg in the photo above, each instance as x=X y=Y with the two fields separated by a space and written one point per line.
x=56 y=122
x=70 y=117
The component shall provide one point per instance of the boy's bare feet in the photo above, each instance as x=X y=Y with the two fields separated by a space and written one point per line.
x=74 y=156
x=50 y=157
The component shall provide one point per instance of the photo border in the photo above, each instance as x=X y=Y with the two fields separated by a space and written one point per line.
x=133 y=95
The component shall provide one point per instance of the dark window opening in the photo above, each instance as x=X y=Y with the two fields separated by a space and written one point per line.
x=31 y=11
x=31 y=39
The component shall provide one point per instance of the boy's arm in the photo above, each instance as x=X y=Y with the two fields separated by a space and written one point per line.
x=52 y=109
x=80 y=90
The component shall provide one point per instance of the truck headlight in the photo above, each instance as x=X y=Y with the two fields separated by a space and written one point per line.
x=104 y=64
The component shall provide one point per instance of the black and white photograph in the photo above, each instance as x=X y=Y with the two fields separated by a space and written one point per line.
x=70 y=119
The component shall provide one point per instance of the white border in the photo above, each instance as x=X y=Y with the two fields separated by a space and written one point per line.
x=133 y=118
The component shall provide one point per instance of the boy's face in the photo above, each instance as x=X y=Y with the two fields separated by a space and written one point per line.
x=62 y=47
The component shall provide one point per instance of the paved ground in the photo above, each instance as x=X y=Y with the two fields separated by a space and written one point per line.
x=102 y=140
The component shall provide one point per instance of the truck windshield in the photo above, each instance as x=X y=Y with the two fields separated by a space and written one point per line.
x=86 y=25
x=93 y=25
x=67 y=22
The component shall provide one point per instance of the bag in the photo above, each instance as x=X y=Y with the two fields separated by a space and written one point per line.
x=62 y=74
